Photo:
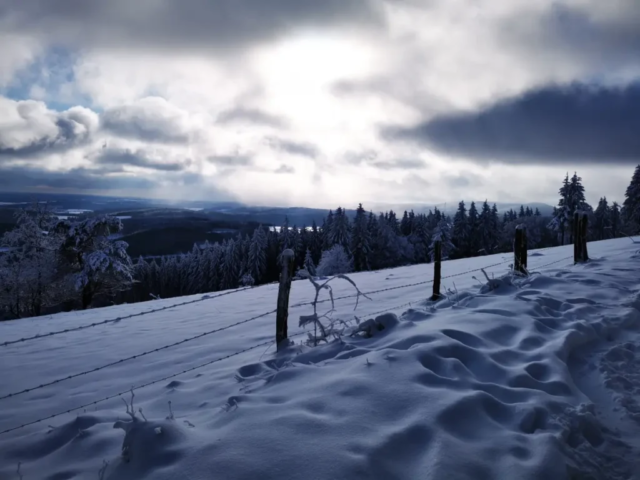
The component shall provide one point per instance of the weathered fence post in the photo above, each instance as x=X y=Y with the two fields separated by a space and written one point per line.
x=437 y=271
x=584 y=230
x=520 y=250
x=575 y=231
x=284 y=290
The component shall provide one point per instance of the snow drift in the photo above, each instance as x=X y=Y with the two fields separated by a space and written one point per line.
x=533 y=378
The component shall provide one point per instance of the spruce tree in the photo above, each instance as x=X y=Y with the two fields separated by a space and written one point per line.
x=257 y=264
x=473 y=244
x=327 y=226
x=405 y=224
x=616 y=220
x=631 y=204
x=461 y=229
x=602 y=220
x=361 y=241
x=341 y=230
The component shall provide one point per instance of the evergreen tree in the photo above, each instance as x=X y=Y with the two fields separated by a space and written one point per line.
x=522 y=213
x=309 y=265
x=257 y=264
x=361 y=241
x=474 y=241
x=631 y=204
x=405 y=224
x=461 y=229
x=341 y=230
x=327 y=227
x=334 y=262
x=616 y=220
x=442 y=233
x=601 y=226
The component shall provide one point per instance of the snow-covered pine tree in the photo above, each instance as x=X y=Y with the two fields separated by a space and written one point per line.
x=231 y=266
x=257 y=265
x=420 y=239
x=442 y=233
x=405 y=224
x=28 y=270
x=631 y=204
x=341 y=230
x=393 y=222
x=327 y=227
x=460 y=232
x=361 y=241
x=308 y=265
x=97 y=263
x=334 y=262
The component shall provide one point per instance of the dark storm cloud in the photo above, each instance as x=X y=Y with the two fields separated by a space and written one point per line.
x=303 y=149
x=206 y=24
x=20 y=178
x=138 y=158
x=251 y=116
x=608 y=35
x=577 y=123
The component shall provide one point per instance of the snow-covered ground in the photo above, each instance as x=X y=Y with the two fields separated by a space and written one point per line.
x=540 y=379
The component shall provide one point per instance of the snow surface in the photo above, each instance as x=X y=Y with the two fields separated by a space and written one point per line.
x=539 y=378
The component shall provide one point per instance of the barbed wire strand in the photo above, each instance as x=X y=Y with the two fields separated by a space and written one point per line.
x=417 y=284
x=133 y=357
x=118 y=319
x=119 y=394
x=168 y=377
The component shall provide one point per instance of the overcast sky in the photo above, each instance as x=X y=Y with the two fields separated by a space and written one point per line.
x=320 y=103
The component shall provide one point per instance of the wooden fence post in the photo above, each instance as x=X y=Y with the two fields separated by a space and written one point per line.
x=584 y=230
x=437 y=270
x=576 y=238
x=520 y=250
x=284 y=290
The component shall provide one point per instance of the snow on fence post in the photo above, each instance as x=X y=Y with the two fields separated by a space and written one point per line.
x=437 y=272
x=520 y=250
x=584 y=229
x=284 y=290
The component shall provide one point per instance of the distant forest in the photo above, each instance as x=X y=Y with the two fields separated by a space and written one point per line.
x=52 y=265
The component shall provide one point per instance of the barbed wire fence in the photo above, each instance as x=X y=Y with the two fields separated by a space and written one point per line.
x=209 y=333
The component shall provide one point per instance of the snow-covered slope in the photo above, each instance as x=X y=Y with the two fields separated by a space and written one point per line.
x=533 y=380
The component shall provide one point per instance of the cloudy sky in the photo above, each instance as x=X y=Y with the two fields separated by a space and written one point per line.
x=320 y=103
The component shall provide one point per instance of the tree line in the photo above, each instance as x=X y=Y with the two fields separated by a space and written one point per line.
x=52 y=265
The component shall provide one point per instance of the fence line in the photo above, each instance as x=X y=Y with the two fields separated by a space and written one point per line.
x=217 y=330
x=417 y=284
x=123 y=360
x=203 y=335
x=116 y=320
x=137 y=387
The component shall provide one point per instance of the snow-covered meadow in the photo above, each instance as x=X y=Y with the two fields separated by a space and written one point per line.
x=535 y=379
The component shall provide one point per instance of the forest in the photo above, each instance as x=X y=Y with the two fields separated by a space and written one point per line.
x=50 y=265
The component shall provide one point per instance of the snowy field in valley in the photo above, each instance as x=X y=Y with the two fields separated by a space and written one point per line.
x=535 y=380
